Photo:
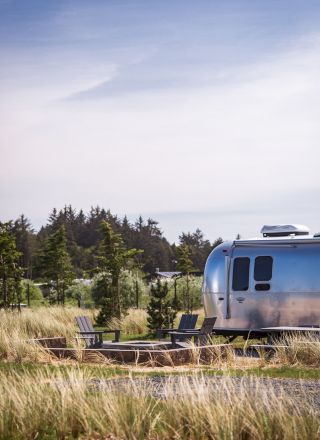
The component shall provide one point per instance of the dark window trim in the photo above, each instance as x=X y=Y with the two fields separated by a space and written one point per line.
x=247 y=275
x=270 y=269
x=262 y=287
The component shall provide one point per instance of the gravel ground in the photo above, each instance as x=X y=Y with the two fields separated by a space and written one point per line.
x=297 y=389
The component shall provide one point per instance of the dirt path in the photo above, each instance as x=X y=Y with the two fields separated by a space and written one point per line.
x=297 y=389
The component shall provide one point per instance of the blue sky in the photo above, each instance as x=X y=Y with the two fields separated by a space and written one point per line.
x=200 y=114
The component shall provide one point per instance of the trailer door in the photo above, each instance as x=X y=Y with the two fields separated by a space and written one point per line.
x=239 y=280
x=251 y=282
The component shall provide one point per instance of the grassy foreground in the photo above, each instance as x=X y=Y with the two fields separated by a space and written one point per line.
x=42 y=398
x=44 y=405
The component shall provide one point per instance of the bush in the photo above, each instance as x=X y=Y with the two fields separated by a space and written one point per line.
x=161 y=309
x=134 y=289
x=195 y=285
x=35 y=293
x=81 y=292
x=131 y=284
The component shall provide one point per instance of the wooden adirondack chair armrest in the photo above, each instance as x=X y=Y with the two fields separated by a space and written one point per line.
x=101 y=332
x=184 y=333
x=116 y=332
x=92 y=332
x=111 y=331
x=162 y=331
x=81 y=337
x=168 y=329
x=87 y=337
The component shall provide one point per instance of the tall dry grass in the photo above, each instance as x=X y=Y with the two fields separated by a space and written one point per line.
x=133 y=323
x=298 y=350
x=17 y=329
x=74 y=405
x=41 y=321
x=45 y=322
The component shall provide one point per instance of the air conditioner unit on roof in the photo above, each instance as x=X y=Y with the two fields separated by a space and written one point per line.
x=284 y=230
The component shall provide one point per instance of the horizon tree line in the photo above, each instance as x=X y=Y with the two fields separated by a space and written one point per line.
x=83 y=235
x=73 y=244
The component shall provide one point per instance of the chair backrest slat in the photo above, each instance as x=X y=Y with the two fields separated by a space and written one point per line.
x=193 y=321
x=182 y=323
x=189 y=323
x=207 y=326
x=80 y=323
x=85 y=325
x=206 y=330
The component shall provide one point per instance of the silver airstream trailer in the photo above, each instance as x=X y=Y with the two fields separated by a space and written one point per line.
x=265 y=282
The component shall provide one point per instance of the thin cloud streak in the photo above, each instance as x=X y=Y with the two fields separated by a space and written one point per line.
x=121 y=127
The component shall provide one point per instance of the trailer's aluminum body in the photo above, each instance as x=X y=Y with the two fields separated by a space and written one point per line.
x=293 y=295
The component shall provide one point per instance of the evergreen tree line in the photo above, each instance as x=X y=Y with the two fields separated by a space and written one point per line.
x=83 y=236
x=99 y=245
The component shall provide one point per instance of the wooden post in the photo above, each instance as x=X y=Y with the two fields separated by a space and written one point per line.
x=28 y=293
x=175 y=290
x=137 y=294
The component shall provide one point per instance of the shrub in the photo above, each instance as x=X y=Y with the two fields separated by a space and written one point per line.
x=35 y=293
x=81 y=292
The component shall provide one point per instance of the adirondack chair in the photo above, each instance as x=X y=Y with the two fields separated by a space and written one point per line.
x=93 y=338
x=187 y=322
x=201 y=336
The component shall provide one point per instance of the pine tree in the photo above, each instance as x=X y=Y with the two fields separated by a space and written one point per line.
x=198 y=246
x=127 y=232
x=157 y=250
x=113 y=257
x=10 y=271
x=161 y=310
x=56 y=263
x=80 y=228
x=186 y=266
x=25 y=243
x=53 y=217
x=139 y=224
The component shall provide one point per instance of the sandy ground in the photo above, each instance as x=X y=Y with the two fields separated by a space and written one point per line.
x=296 y=389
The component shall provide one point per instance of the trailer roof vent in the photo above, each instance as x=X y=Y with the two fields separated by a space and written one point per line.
x=284 y=230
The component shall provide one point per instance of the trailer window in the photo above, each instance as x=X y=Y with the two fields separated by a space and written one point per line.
x=240 y=280
x=263 y=268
